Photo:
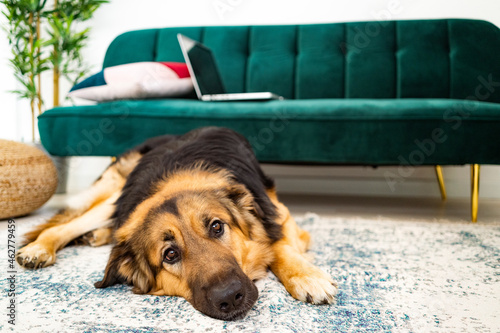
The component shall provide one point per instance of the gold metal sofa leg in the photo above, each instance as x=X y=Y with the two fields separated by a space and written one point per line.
x=474 y=171
x=440 y=179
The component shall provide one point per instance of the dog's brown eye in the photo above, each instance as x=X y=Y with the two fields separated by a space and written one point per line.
x=216 y=228
x=171 y=256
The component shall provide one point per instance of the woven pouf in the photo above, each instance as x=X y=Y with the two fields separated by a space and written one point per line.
x=28 y=178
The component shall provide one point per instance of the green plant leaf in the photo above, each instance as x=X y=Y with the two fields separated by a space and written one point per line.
x=61 y=34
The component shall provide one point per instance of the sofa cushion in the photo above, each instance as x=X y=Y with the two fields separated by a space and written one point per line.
x=445 y=58
x=352 y=131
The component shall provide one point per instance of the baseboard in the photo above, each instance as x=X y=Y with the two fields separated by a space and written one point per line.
x=383 y=181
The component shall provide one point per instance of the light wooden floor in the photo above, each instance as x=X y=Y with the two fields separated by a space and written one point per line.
x=393 y=208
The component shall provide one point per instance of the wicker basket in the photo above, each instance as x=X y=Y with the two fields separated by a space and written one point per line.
x=28 y=178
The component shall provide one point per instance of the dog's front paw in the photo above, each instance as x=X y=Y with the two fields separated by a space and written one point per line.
x=314 y=287
x=35 y=256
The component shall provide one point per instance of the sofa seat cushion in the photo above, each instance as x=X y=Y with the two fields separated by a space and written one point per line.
x=345 y=131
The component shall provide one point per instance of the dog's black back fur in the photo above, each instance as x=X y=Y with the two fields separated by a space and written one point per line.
x=215 y=147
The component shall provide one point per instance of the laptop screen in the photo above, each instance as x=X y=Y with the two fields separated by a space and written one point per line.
x=204 y=67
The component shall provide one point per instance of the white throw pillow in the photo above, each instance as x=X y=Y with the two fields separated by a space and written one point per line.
x=140 y=80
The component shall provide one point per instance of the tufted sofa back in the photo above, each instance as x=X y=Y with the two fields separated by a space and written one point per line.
x=449 y=58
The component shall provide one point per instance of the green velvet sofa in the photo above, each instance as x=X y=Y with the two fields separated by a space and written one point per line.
x=422 y=92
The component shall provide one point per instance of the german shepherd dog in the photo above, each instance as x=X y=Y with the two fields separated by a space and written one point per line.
x=191 y=216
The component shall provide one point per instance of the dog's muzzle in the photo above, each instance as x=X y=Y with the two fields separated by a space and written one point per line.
x=227 y=298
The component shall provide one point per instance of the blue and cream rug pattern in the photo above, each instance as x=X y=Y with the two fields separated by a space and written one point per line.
x=393 y=277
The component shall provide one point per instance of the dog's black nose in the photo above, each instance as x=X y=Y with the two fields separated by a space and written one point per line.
x=227 y=296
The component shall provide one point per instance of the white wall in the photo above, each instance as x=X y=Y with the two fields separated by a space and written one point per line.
x=120 y=16
x=8 y=114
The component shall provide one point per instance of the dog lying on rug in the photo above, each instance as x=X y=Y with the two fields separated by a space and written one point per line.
x=191 y=216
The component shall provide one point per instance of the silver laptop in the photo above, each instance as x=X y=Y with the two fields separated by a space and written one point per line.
x=206 y=78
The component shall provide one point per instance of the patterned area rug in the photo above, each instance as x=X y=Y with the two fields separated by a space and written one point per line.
x=393 y=277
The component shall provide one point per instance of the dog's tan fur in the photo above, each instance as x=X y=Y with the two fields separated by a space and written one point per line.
x=90 y=210
x=246 y=240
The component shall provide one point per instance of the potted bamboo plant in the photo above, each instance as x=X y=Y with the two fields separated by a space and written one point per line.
x=28 y=62
x=47 y=37
x=43 y=38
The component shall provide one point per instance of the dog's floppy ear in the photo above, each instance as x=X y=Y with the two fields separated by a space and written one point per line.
x=239 y=194
x=122 y=267
x=262 y=209
x=111 y=275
